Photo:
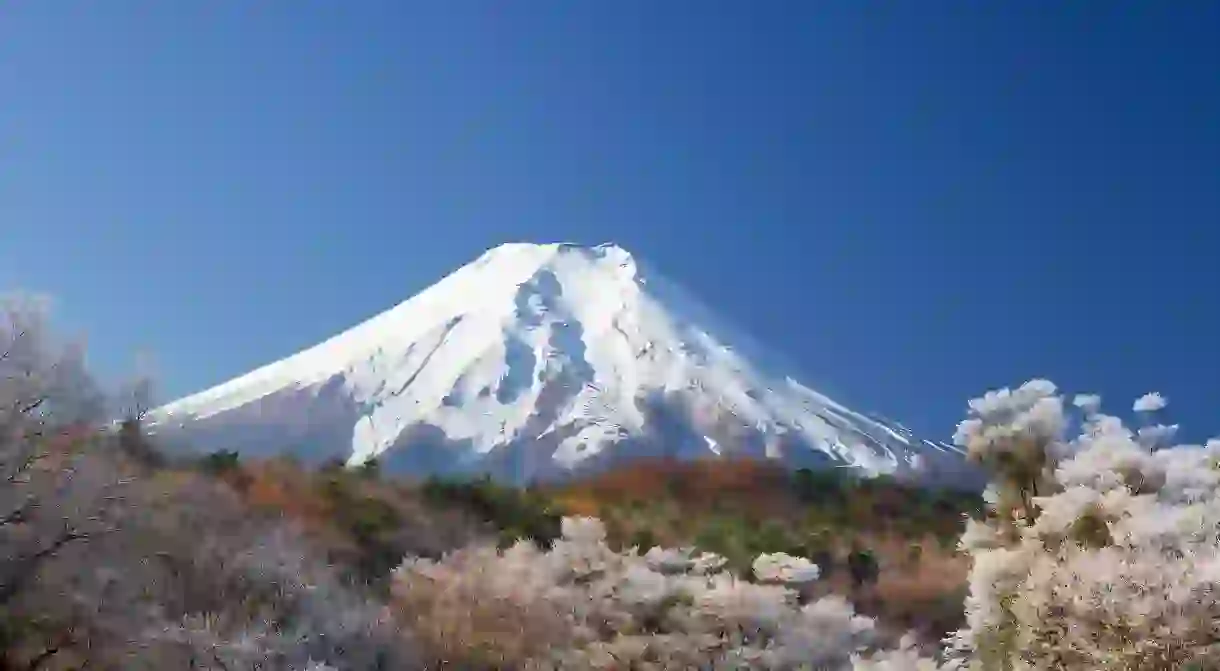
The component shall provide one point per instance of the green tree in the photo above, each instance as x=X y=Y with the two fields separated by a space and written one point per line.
x=644 y=539
x=220 y=462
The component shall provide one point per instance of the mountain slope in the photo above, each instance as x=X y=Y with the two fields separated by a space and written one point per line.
x=533 y=361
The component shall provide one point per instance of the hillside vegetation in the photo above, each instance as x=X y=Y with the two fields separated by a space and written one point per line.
x=740 y=509
x=1093 y=551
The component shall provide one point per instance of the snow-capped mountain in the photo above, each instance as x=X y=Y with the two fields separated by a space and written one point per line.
x=535 y=361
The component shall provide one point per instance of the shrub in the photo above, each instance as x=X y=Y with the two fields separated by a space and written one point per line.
x=101 y=569
x=1099 y=550
x=643 y=539
x=821 y=486
x=862 y=564
x=582 y=605
x=527 y=513
x=220 y=462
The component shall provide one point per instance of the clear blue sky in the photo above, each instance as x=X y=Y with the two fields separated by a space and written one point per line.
x=916 y=201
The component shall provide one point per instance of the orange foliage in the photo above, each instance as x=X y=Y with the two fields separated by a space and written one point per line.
x=284 y=488
x=758 y=485
x=578 y=503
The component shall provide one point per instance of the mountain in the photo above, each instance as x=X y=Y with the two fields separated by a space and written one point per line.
x=534 y=362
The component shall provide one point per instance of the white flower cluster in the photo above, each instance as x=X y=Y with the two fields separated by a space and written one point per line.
x=1105 y=555
x=780 y=567
x=584 y=605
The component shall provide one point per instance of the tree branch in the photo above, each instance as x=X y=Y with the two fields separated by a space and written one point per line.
x=42 y=658
x=27 y=462
x=18 y=515
x=26 y=567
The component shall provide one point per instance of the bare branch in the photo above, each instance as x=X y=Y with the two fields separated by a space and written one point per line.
x=24 y=467
x=42 y=658
x=20 y=513
x=25 y=568
x=31 y=406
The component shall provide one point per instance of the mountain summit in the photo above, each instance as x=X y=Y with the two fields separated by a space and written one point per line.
x=532 y=362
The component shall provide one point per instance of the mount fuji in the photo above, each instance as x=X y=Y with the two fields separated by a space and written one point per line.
x=536 y=362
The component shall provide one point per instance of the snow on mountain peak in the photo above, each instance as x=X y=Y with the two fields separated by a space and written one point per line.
x=531 y=361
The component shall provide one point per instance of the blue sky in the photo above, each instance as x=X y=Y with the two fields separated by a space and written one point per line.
x=915 y=201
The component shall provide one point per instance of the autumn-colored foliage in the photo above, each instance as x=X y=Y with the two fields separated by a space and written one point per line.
x=739 y=508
